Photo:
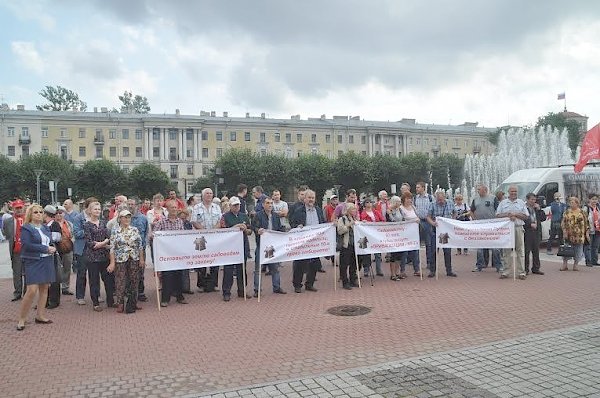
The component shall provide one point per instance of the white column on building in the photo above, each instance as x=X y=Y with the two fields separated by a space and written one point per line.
x=195 y=151
x=381 y=144
x=369 y=144
x=146 y=143
x=183 y=146
x=396 y=137
x=164 y=144
x=150 y=144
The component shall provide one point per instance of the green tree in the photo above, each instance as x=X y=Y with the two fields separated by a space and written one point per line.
x=131 y=104
x=385 y=170
x=558 y=121
x=415 y=168
x=315 y=171
x=352 y=170
x=203 y=182
x=10 y=182
x=61 y=99
x=101 y=178
x=275 y=172
x=446 y=164
x=54 y=169
x=146 y=179
x=238 y=166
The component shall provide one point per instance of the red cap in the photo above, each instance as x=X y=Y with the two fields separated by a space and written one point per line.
x=17 y=203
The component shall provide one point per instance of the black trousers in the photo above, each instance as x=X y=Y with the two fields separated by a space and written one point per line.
x=447 y=260
x=532 y=249
x=172 y=285
x=348 y=262
x=308 y=267
x=97 y=270
x=228 y=278
x=208 y=281
x=54 y=289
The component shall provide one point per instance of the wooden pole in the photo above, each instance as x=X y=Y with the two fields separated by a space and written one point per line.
x=357 y=270
x=157 y=291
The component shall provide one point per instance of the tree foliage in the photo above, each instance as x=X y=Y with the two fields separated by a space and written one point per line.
x=101 y=178
x=10 y=181
x=446 y=169
x=352 y=170
x=54 y=168
x=146 y=179
x=133 y=104
x=314 y=171
x=61 y=99
x=238 y=166
x=558 y=121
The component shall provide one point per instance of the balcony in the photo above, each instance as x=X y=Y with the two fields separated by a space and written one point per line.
x=99 y=140
x=24 y=140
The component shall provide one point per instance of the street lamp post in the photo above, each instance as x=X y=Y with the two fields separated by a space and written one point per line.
x=51 y=188
x=219 y=180
x=38 y=173
x=56 y=181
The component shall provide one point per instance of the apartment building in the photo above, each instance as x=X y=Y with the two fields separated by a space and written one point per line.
x=187 y=146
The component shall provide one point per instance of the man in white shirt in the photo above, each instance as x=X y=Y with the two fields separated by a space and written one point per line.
x=515 y=209
x=207 y=215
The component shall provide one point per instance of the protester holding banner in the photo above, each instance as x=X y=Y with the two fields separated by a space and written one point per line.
x=533 y=228
x=442 y=207
x=370 y=214
x=382 y=203
x=575 y=231
x=409 y=213
x=172 y=283
x=126 y=259
x=423 y=202
x=462 y=213
x=234 y=218
x=345 y=230
x=266 y=219
x=207 y=215
x=483 y=207
x=515 y=209
x=306 y=214
x=395 y=215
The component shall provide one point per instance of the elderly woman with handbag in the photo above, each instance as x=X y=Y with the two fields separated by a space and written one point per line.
x=575 y=232
x=345 y=230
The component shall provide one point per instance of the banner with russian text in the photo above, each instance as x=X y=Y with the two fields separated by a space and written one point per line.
x=386 y=237
x=197 y=248
x=495 y=233
x=297 y=244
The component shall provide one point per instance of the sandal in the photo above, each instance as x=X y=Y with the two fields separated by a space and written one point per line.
x=393 y=278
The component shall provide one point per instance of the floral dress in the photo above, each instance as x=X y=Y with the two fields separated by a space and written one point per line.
x=574 y=225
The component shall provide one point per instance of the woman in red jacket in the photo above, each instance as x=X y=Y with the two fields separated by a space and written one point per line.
x=370 y=214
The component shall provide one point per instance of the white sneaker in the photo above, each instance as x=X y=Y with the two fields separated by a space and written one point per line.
x=475 y=269
x=81 y=302
x=100 y=300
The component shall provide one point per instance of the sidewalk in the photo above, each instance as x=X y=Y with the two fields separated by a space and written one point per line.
x=210 y=345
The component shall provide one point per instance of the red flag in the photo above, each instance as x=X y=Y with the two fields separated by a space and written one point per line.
x=590 y=149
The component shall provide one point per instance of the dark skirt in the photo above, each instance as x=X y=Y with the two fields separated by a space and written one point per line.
x=39 y=271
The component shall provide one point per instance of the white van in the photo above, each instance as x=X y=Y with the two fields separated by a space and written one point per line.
x=546 y=181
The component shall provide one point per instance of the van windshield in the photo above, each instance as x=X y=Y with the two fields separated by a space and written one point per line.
x=523 y=188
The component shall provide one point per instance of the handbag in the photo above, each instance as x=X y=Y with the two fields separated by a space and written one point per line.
x=566 y=250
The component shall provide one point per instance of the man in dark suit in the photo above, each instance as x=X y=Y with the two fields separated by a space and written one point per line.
x=11 y=228
x=307 y=214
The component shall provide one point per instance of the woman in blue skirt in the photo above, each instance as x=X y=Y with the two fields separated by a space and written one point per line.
x=38 y=264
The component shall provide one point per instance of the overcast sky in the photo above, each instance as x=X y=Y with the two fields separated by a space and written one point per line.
x=439 y=61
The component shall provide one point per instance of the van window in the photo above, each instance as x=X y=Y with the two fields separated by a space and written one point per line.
x=548 y=191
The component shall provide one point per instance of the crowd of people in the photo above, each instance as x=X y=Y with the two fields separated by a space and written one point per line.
x=109 y=243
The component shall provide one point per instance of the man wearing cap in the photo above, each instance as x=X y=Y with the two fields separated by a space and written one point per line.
x=557 y=209
x=234 y=218
x=64 y=249
x=56 y=231
x=12 y=232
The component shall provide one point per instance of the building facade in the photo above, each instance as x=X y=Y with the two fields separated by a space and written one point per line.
x=187 y=146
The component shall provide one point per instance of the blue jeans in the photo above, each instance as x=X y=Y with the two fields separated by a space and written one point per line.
x=414 y=256
x=273 y=269
x=429 y=237
x=80 y=266
x=481 y=258
x=367 y=264
x=591 y=250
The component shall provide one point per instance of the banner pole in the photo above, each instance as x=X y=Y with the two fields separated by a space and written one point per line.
x=157 y=291
x=244 y=277
x=437 y=268
x=372 y=273
x=335 y=267
x=420 y=262
x=357 y=269
x=514 y=256
x=259 y=279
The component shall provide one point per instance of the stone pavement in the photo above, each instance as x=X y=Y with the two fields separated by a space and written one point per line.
x=210 y=345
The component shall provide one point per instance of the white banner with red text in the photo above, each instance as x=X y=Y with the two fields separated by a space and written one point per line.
x=495 y=233
x=297 y=244
x=386 y=237
x=197 y=248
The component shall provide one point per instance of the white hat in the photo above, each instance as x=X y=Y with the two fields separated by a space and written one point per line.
x=234 y=201
x=124 y=213
x=50 y=209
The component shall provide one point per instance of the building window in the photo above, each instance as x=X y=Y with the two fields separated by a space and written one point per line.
x=364 y=153
x=188 y=153
x=82 y=133
x=189 y=135
x=350 y=139
x=340 y=139
x=313 y=138
x=156 y=134
x=277 y=137
x=25 y=151
x=435 y=141
x=298 y=137
x=173 y=171
x=172 y=153
x=190 y=170
x=263 y=152
x=125 y=134
x=138 y=152
x=247 y=136
x=329 y=154
x=45 y=150
x=314 y=151
x=204 y=153
x=446 y=141
x=44 y=132
x=377 y=139
x=63 y=133
x=363 y=139
x=205 y=170
x=155 y=152
x=112 y=152
x=138 y=134
x=288 y=153
x=11 y=150
x=232 y=136
x=125 y=151
x=456 y=143
x=172 y=134
x=425 y=141
x=99 y=152
x=418 y=141
x=11 y=132
x=263 y=138
x=219 y=136
x=82 y=151
x=299 y=153
x=25 y=131
x=126 y=169
x=466 y=144
x=205 y=136
x=328 y=138
x=219 y=152
x=288 y=138
x=64 y=152
x=112 y=134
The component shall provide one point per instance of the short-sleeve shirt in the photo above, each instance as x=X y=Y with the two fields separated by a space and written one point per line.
x=209 y=217
x=167 y=224
x=441 y=210
x=312 y=218
x=483 y=207
x=517 y=206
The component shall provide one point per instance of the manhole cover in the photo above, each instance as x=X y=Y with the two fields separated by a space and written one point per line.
x=349 y=310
